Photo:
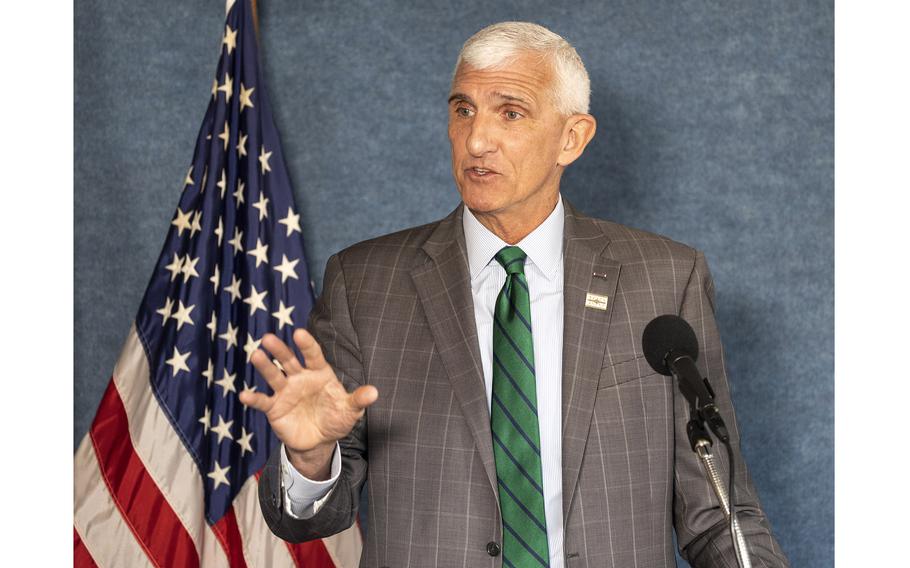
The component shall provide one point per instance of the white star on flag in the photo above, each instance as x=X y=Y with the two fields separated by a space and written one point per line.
x=209 y=373
x=206 y=420
x=223 y=429
x=245 y=94
x=255 y=300
x=292 y=222
x=178 y=362
x=219 y=230
x=226 y=136
x=247 y=388
x=197 y=225
x=235 y=242
x=234 y=288
x=165 y=310
x=182 y=221
x=261 y=206
x=226 y=382
x=241 y=145
x=222 y=183
x=251 y=346
x=260 y=252
x=219 y=474
x=175 y=267
x=244 y=441
x=286 y=268
x=227 y=88
x=230 y=39
x=215 y=279
x=264 y=160
x=229 y=336
x=213 y=325
x=283 y=315
x=189 y=267
x=182 y=315
x=238 y=193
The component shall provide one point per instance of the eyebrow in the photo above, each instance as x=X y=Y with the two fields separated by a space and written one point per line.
x=460 y=97
x=463 y=97
x=511 y=98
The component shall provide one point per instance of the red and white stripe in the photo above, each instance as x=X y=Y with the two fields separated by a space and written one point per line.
x=139 y=494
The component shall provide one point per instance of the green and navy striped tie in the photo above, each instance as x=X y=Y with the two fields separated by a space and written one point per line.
x=516 y=436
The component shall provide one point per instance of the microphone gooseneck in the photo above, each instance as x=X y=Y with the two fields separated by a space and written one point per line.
x=671 y=348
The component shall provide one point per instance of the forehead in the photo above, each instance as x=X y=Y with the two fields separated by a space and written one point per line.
x=528 y=76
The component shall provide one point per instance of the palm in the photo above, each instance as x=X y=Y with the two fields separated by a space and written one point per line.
x=312 y=410
x=310 y=407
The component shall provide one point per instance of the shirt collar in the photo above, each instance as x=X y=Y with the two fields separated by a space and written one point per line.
x=543 y=245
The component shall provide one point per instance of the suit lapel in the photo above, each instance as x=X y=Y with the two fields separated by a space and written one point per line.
x=444 y=288
x=584 y=337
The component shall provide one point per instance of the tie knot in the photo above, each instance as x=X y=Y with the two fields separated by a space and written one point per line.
x=512 y=259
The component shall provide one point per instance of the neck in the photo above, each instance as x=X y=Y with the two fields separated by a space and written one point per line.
x=512 y=226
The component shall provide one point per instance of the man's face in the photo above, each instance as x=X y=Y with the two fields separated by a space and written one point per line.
x=506 y=137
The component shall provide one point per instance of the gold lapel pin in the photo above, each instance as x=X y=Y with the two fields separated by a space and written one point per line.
x=596 y=302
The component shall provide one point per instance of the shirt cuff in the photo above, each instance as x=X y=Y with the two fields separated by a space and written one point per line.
x=303 y=497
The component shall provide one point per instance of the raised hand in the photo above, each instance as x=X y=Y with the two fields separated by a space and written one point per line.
x=310 y=409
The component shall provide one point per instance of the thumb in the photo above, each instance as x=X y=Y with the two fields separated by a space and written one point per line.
x=363 y=397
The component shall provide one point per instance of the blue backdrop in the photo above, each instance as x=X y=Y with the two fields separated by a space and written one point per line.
x=715 y=128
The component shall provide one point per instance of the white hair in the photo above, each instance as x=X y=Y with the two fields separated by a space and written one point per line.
x=496 y=46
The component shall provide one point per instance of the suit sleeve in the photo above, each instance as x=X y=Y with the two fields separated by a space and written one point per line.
x=702 y=533
x=331 y=325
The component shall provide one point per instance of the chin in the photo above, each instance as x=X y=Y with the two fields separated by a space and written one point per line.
x=480 y=199
x=481 y=204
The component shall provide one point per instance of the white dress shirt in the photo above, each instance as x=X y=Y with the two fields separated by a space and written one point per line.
x=544 y=272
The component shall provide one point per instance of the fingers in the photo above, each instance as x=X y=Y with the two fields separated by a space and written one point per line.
x=363 y=397
x=257 y=400
x=282 y=352
x=272 y=374
x=311 y=351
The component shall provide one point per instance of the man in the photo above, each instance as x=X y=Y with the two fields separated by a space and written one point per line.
x=489 y=366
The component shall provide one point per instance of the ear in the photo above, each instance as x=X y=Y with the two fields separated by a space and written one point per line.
x=578 y=131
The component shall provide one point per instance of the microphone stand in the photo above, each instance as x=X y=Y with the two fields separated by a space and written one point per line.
x=700 y=441
x=671 y=348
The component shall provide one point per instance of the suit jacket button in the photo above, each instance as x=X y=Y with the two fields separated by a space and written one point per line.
x=493 y=548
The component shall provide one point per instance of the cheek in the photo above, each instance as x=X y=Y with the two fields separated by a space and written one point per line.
x=456 y=130
x=456 y=141
x=534 y=158
x=453 y=141
x=524 y=152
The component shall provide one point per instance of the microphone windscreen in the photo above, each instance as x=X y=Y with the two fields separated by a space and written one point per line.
x=664 y=334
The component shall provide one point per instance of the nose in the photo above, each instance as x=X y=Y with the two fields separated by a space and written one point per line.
x=481 y=136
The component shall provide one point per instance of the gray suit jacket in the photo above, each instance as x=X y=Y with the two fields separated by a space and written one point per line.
x=397 y=312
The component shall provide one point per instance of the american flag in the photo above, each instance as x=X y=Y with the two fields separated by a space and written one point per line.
x=168 y=473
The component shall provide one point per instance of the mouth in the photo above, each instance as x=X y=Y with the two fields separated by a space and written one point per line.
x=478 y=173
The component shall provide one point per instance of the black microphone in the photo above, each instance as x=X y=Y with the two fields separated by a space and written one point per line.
x=671 y=348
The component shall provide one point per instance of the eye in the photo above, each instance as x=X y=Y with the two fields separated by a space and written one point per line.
x=464 y=112
x=512 y=115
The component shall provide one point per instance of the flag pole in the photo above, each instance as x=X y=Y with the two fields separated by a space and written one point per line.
x=255 y=17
